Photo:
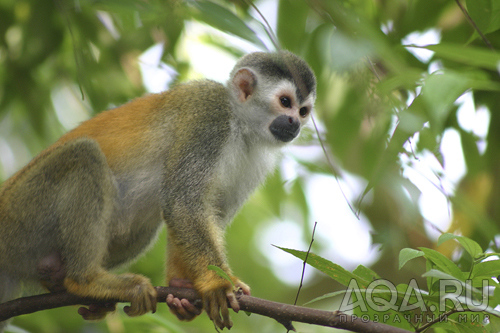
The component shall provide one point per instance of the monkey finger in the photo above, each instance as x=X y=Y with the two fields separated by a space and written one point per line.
x=175 y=306
x=134 y=309
x=182 y=308
x=190 y=307
x=89 y=315
x=153 y=302
x=170 y=299
x=96 y=311
x=243 y=287
x=224 y=310
x=231 y=298
x=213 y=312
x=129 y=310
x=142 y=300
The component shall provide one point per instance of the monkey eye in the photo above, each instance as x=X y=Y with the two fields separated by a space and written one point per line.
x=286 y=102
x=303 y=111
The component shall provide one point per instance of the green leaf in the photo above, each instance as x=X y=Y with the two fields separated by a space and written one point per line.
x=473 y=159
x=473 y=248
x=366 y=273
x=494 y=325
x=473 y=56
x=325 y=296
x=443 y=264
x=407 y=254
x=494 y=300
x=220 y=273
x=336 y=272
x=486 y=269
x=460 y=323
x=485 y=13
x=404 y=290
x=440 y=275
x=492 y=311
x=439 y=92
x=345 y=52
x=412 y=120
x=224 y=20
x=468 y=288
x=292 y=33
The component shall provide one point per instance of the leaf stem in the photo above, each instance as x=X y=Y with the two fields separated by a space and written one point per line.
x=471 y=21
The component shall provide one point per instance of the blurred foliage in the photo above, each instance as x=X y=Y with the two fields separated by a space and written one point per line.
x=472 y=292
x=380 y=109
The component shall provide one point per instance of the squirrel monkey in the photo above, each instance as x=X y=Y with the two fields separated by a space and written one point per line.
x=190 y=156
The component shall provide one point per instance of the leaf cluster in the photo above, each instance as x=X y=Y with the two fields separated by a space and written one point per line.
x=454 y=299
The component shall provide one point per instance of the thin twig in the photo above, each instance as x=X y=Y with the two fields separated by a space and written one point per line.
x=438 y=319
x=304 y=265
x=303 y=272
x=79 y=77
x=373 y=69
x=267 y=26
x=332 y=166
x=471 y=21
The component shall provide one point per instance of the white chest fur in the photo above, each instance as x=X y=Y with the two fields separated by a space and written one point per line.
x=243 y=167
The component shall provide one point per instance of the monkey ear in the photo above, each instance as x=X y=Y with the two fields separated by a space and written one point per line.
x=244 y=81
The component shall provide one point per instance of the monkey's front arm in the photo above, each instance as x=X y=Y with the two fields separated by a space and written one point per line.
x=190 y=263
x=195 y=231
x=195 y=241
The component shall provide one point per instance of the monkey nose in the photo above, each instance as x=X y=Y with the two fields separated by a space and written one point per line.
x=285 y=128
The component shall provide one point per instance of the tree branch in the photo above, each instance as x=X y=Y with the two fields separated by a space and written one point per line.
x=283 y=313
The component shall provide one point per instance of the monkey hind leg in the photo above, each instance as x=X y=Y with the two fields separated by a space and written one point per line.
x=101 y=284
x=62 y=202
x=84 y=208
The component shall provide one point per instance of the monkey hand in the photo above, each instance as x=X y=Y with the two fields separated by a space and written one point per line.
x=216 y=294
x=182 y=308
x=96 y=311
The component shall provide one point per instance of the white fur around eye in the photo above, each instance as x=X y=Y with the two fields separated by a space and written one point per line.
x=287 y=89
x=277 y=91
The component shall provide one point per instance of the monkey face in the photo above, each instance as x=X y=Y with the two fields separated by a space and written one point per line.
x=291 y=111
x=277 y=91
